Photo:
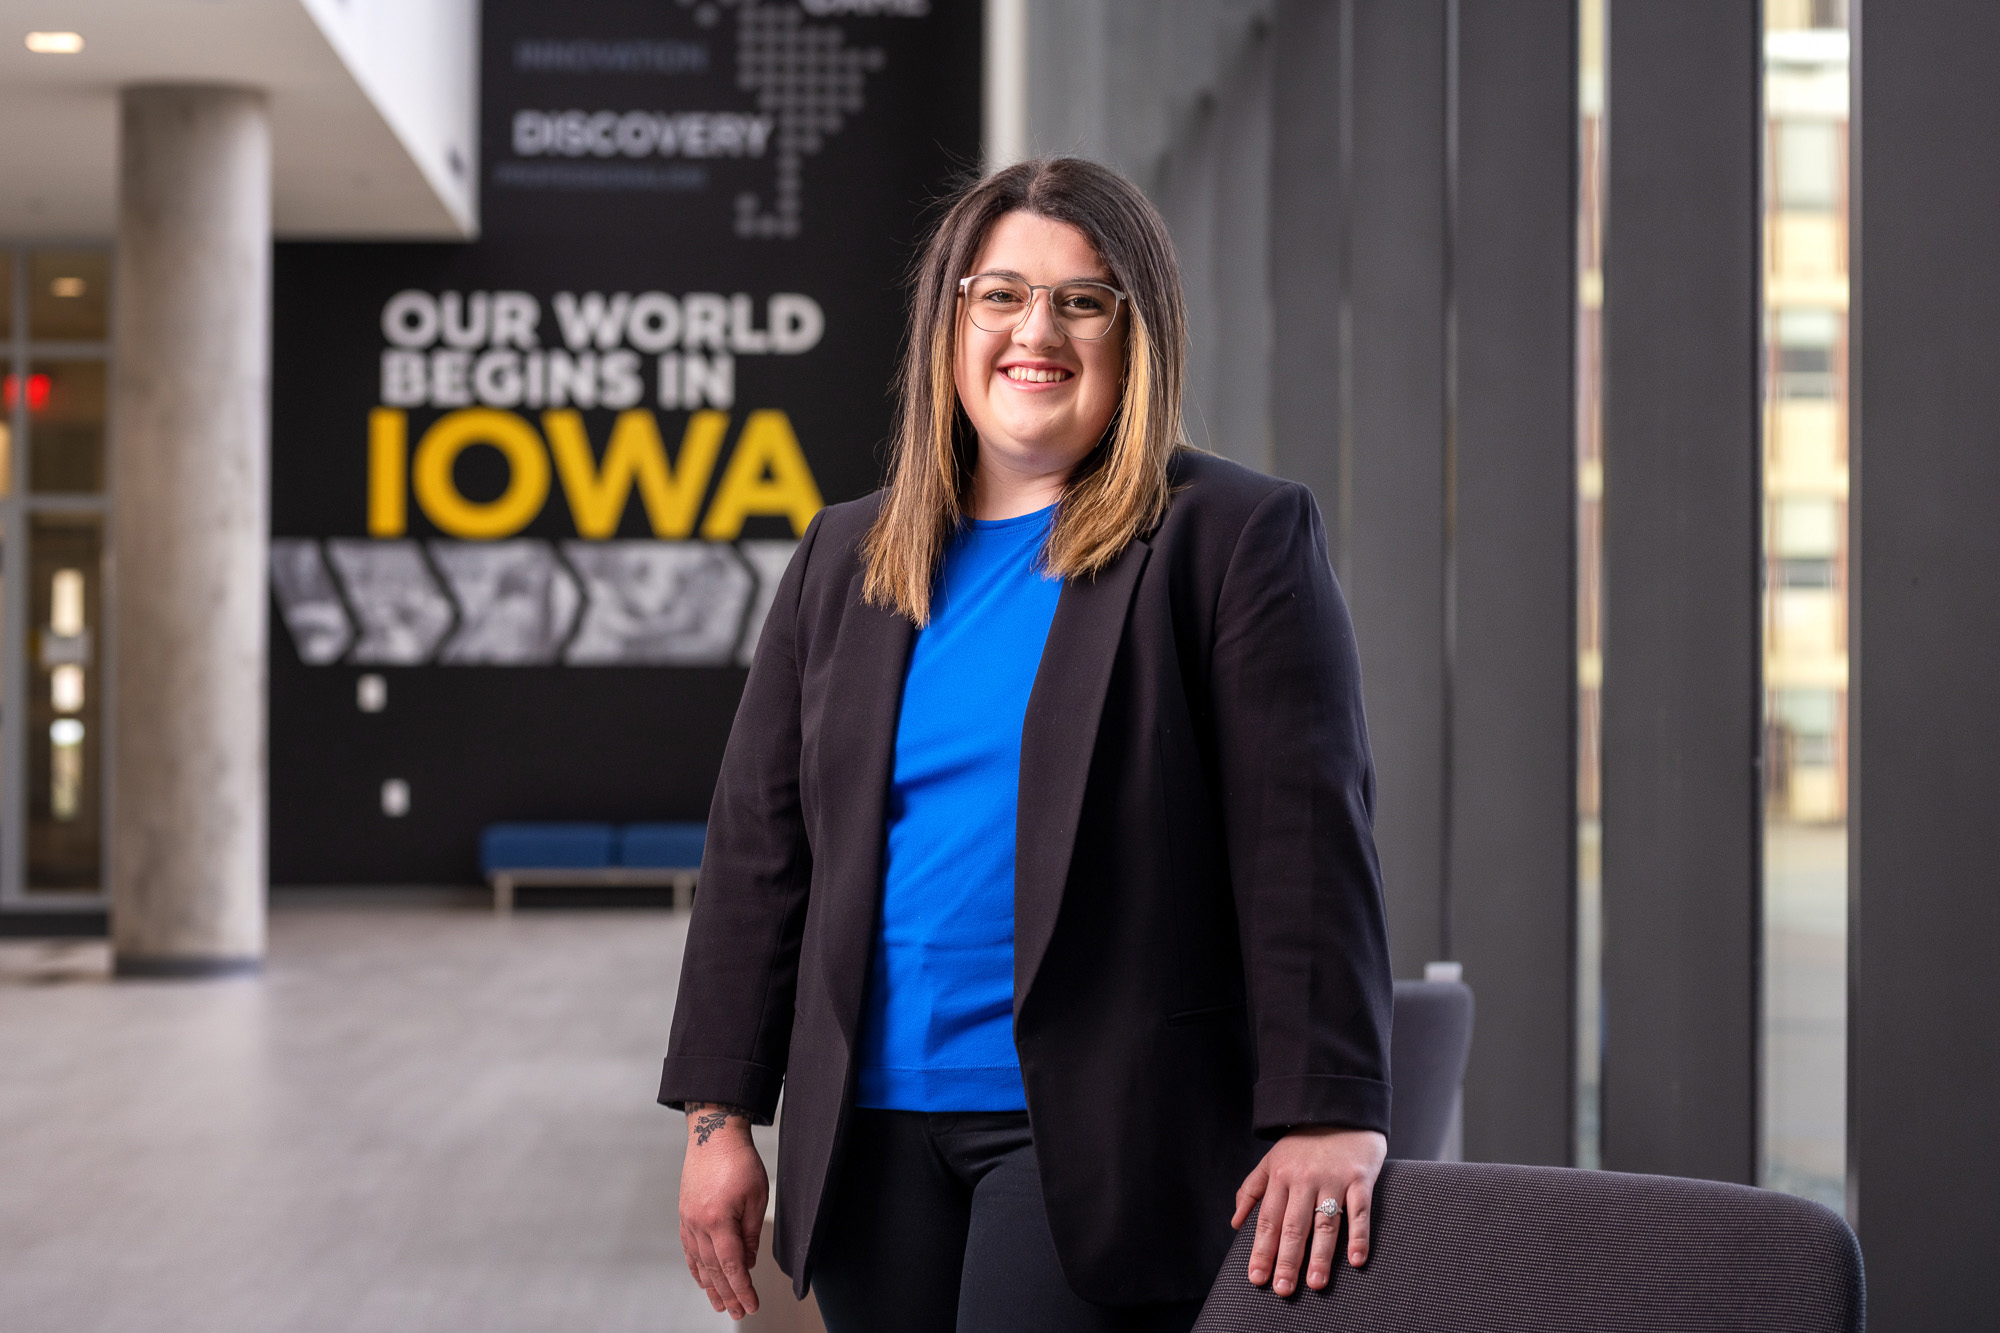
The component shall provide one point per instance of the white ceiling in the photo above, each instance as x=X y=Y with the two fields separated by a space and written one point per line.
x=340 y=168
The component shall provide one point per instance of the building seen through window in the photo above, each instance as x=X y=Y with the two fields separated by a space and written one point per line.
x=1806 y=596
x=1591 y=147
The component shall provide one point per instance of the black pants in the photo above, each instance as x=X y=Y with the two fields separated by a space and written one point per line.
x=938 y=1225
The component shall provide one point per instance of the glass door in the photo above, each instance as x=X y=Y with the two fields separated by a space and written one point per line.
x=56 y=334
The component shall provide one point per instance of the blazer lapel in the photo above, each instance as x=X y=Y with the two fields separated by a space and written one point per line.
x=857 y=746
x=1058 y=738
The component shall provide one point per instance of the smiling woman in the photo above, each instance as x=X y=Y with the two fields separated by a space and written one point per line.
x=1039 y=379
x=1040 y=874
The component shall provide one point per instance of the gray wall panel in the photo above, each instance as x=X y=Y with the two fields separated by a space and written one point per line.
x=1925 y=1068
x=1177 y=95
x=1307 y=246
x=1681 y=820
x=1513 y=833
x=1216 y=195
x=1395 y=574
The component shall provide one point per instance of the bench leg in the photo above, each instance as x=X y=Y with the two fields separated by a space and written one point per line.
x=503 y=894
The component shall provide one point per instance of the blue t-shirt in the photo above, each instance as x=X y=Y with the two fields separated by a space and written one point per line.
x=938 y=1033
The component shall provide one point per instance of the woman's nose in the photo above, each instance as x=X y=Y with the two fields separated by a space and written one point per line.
x=1038 y=328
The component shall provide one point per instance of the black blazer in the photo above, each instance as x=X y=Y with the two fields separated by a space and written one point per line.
x=1199 y=952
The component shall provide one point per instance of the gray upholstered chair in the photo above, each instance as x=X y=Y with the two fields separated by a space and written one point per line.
x=1472 y=1246
x=1431 y=1036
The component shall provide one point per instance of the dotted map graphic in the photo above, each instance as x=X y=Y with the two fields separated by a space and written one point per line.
x=809 y=79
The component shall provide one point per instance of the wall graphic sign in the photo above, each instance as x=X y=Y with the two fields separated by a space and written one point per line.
x=532 y=494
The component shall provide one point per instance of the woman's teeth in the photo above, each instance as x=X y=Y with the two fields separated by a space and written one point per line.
x=1027 y=375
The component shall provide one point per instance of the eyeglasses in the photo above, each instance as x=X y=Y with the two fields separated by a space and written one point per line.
x=998 y=303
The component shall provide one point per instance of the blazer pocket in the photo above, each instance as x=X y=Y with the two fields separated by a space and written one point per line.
x=1210 y=1014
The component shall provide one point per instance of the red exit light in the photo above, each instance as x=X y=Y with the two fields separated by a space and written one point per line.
x=38 y=392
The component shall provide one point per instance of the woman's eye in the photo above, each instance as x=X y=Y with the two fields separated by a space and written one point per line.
x=1003 y=297
x=1083 y=305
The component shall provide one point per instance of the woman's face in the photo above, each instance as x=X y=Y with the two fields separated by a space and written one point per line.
x=1039 y=399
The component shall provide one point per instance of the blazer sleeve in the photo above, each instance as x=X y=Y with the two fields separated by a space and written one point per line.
x=732 y=1026
x=1298 y=801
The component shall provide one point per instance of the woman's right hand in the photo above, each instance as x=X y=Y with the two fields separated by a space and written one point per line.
x=723 y=1191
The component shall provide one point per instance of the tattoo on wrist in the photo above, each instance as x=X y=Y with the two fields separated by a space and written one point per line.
x=707 y=1117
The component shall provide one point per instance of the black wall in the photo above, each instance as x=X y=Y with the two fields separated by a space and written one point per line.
x=479 y=743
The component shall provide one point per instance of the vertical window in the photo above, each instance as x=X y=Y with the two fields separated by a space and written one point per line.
x=65 y=780
x=1805 y=479
x=10 y=386
x=69 y=296
x=1589 y=1036
x=52 y=477
x=66 y=427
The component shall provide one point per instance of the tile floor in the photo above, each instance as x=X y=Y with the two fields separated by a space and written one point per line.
x=416 y=1119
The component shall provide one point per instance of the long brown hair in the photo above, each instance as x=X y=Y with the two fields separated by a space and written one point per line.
x=1119 y=490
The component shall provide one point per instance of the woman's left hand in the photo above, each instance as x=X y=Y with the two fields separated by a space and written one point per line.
x=1302 y=1168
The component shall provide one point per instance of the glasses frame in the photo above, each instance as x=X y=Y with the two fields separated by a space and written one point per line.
x=1118 y=302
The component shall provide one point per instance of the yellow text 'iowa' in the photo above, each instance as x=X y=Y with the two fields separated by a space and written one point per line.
x=766 y=474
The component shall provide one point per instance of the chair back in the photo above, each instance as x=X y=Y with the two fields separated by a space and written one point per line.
x=1461 y=1245
x=1428 y=1044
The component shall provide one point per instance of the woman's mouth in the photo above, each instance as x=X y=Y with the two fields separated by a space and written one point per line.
x=1037 y=374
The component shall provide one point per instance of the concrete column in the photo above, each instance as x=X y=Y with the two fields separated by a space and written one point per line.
x=190 y=390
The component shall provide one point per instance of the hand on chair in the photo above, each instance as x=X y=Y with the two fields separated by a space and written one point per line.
x=1304 y=1172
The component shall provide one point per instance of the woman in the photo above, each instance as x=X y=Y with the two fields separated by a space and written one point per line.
x=1040 y=871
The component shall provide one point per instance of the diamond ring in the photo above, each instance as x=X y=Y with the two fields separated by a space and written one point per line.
x=1329 y=1208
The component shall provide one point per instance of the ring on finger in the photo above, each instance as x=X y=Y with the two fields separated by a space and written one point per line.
x=1329 y=1209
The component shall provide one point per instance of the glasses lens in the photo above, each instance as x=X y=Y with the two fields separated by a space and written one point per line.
x=1083 y=309
x=996 y=304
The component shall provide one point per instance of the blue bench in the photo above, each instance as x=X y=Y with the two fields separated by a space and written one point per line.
x=577 y=855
